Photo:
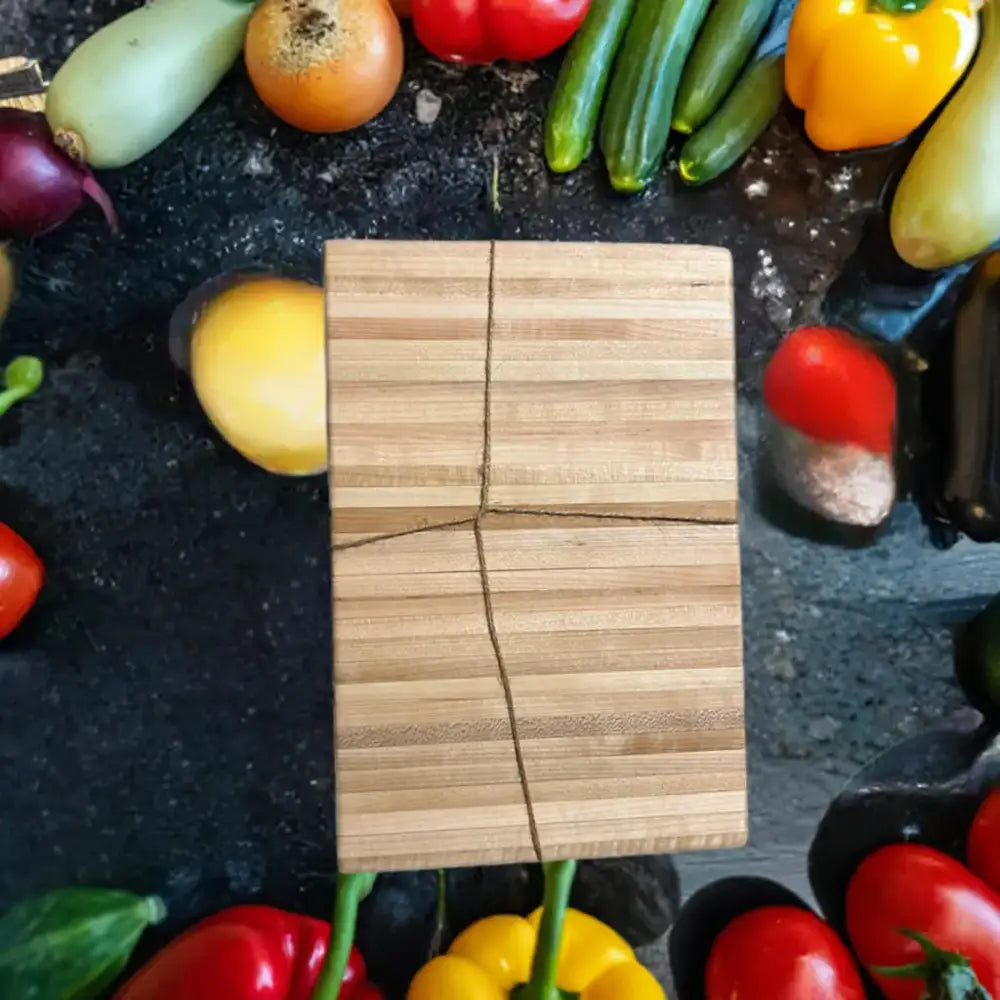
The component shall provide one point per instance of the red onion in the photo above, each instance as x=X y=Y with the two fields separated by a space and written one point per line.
x=40 y=186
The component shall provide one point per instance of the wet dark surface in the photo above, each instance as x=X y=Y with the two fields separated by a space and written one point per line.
x=165 y=717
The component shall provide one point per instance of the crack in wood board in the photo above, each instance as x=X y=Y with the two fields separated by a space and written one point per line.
x=391 y=742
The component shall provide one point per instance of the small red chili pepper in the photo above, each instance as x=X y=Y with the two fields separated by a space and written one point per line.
x=481 y=31
x=246 y=953
x=21 y=577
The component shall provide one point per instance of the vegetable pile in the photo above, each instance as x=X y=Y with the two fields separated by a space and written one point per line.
x=685 y=65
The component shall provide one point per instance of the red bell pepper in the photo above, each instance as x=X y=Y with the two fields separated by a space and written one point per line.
x=261 y=953
x=481 y=31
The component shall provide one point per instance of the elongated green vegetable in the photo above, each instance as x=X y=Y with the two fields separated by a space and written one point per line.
x=576 y=102
x=133 y=83
x=947 y=206
x=737 y=125
x=640 y=102
x=71 y=944
x=731 y=31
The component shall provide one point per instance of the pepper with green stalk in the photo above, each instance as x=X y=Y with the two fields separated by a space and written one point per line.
x=556 y=953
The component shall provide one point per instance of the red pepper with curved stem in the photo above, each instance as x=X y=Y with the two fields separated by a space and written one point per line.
x=482 y=31
x=262 y=953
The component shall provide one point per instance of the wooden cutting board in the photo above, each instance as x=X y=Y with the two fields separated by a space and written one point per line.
x=21 y=84
x=536 y=610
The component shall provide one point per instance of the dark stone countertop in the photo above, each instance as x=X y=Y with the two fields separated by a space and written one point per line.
x=165 y=713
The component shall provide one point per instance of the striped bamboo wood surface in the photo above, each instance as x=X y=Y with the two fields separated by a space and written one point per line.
x=537 y=635
x=28 y=77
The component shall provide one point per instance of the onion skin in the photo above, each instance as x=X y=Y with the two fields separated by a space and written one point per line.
x=133 y=83
x=40 y=186
x=947 y=207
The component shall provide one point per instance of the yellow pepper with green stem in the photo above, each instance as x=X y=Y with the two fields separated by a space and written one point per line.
x=554 y=954
x=868 y=72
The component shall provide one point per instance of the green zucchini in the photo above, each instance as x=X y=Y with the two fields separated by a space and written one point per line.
x=731 y=31
x=640 y=102
x=738 y=124
x=576 y=101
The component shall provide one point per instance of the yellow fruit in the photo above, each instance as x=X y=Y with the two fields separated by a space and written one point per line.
x=258 y=366
x=6 y=282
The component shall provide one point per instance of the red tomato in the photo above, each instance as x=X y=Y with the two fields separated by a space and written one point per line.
x=983 y=851
x=916 y=888
x=21 y=578
x=780 y=953
x=828 y=385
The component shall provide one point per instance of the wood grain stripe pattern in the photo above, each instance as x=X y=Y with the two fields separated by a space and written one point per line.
x=611 y=416
x=30 y=84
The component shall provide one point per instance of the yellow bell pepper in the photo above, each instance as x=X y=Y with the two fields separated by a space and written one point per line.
x=493 y=956
x=869 y=72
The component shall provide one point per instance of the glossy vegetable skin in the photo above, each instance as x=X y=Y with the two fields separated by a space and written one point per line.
x=727 y=39
x=909 y=53
x=977 y=663
x=41 y=187
x=826 y=384
x=737 y=125
x=644 y=83
x=493 y=956
x=916 y=888
x=481 y=31
x=983 y=849
x=21 y=577
x=947 y=207
x=71 y=944
x=572 y=117
x=245 y=953
x=137 y=80
x=323 y=66
x=972 y=487
x=780 y=953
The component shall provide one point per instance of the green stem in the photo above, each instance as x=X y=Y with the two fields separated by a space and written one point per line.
x=898 y=6
x=21 y=378
x=351 y=890
x=440 y=914
x=559 y=877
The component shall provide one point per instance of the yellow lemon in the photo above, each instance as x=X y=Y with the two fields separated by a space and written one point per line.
x=258 y=367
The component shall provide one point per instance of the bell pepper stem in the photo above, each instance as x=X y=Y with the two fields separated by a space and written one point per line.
x=899 y=6
x=559 y=876
x=351 y=890
x=20 y=378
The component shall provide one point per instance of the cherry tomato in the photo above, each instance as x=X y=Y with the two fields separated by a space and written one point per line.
x=781 y=953
x=916 y=888
x=983 y=851
x=21 y=578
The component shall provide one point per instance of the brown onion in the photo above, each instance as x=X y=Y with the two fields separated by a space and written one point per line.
x=40 y=186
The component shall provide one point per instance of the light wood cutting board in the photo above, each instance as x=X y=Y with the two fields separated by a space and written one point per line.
x=24 y=78
x=533 y=479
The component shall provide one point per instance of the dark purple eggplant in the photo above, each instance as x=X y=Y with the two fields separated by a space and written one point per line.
x=977 y=660
x=972 y=485
x=926 y=789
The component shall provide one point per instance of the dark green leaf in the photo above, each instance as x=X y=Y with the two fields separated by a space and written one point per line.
x=71 y=944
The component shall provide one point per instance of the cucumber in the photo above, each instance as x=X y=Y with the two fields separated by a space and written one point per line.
x=731 y=31
x=640 y=102
x=737 y=125
x=576 y=101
